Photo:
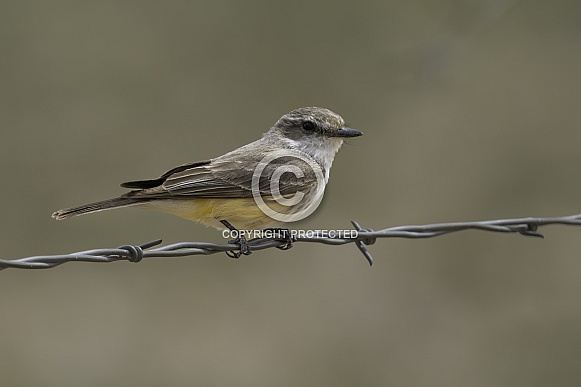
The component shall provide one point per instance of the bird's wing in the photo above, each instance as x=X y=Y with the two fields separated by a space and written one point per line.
x=159 y=181
x=227 y=177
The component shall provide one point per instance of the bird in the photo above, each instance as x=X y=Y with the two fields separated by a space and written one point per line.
x=225 y=191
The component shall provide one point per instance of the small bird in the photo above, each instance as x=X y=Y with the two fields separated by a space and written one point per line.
x=236 y=189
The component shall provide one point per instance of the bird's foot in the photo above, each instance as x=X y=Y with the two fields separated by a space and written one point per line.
x=283 y=235
x=240 y=241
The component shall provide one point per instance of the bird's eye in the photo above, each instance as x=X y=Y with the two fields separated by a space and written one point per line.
x=308 y=125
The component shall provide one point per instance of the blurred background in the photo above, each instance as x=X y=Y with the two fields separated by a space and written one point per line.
x=470 y=111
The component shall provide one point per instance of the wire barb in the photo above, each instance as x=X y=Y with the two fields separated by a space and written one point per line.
x=364 y=237
x=367 y=241
x=240 y=241
x=531 y=230
x=135 y=253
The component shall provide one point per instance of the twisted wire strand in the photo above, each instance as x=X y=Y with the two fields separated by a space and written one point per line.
x=363 y=237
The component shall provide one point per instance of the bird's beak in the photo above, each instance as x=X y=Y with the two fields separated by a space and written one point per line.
x=345 y=132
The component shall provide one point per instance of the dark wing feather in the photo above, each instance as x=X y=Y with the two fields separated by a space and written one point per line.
x=224 y=177
x=206 y=181
x=159 y=181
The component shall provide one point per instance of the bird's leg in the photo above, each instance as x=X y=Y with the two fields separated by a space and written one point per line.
x=240 y=241
x=283 y=235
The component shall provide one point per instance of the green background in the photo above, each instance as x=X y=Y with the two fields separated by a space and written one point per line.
x=470 y=111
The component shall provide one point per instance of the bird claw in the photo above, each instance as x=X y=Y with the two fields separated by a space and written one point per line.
x=240 y=241
x=282 y=235
x=244 y=248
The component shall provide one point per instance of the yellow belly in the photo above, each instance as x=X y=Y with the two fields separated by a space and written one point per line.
x=243 y=214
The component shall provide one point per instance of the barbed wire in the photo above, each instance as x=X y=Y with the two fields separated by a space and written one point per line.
x=361 y=237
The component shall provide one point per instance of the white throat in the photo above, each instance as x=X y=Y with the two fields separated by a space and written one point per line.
x=321 y=149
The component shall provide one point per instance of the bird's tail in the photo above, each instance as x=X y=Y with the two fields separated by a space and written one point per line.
x=94 y=207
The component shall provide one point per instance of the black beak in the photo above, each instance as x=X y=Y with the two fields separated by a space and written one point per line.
x=344 y=132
